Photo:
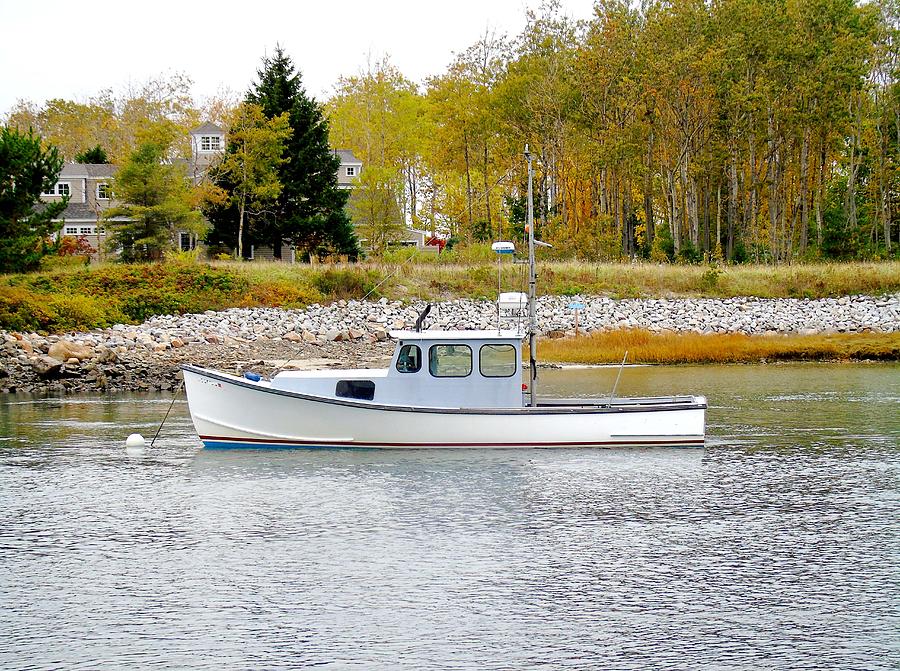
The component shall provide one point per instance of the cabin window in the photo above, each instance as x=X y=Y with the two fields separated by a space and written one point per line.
x=410 y=359
x=363 y=390
x=497 y=360
x=450 y=360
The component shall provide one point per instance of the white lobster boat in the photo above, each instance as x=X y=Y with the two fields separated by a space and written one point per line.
x=443 y=389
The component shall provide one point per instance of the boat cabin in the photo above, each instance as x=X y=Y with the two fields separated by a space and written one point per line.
x=450 y=369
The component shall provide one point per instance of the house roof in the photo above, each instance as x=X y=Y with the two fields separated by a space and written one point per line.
x=83 y=170
x=208 y=128
x=346 y=156
x=76 y=212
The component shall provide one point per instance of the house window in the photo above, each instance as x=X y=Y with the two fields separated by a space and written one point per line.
x=210 y=143
x=450 y=360
x=351 y=171
x=103 y=191
x=60 y=189
x=185 y=242
x=101 y=231
x=86 y=230
x=497 y=360
x=71 y=230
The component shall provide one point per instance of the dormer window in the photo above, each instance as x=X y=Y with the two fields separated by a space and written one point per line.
x=103 y=191
x=210 y=143
x=60 y=189
x=351 y=171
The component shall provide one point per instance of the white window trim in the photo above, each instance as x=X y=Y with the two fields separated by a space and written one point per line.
x=350 y=171
x=97 y=191
x=56 y=191
x=208 y=140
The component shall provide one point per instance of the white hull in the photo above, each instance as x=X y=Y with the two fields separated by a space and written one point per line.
x=230 y=412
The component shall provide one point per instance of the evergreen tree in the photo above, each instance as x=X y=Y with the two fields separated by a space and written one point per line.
x=93 y=155
x=26 y=171
x=311 y=209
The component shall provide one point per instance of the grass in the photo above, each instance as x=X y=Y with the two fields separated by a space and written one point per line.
x=683 y=348
x=71 y=297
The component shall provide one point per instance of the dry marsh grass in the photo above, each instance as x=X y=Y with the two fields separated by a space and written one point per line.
x=439 y=280
x=681 y=348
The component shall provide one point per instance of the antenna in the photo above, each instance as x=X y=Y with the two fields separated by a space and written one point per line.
x=422 y=316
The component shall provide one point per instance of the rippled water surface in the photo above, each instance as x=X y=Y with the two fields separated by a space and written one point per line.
x=775 y=547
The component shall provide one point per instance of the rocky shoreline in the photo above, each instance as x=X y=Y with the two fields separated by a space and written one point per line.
x=147 y=356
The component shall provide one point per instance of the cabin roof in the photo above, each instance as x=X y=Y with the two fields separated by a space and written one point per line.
x=493 y=334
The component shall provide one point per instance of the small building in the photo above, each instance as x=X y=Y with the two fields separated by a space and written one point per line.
x=88 y=187
x=349 y=170
x=207 y=146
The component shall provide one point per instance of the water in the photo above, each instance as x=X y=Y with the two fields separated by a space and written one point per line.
x=775 y=547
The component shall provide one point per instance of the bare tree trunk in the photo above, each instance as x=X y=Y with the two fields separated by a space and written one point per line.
x=240 y=254
x=718 y=245
x=804 y=191
x=468 y=184
x=732 y=205
x=853 y=168
x=675 y=212
x=772 y=175
x=487 y=190
x=819 y=194
x=412 y=183
x=627 y=225
x=753 y=198
x=648 y=192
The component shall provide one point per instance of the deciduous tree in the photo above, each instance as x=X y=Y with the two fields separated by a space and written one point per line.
x=157 y=203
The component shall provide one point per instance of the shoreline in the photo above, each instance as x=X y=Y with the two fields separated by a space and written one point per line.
x=347 y=334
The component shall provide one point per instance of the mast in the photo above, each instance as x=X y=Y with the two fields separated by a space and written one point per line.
x=532 y=286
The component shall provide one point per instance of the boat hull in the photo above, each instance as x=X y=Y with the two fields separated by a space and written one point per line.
x=231 y=412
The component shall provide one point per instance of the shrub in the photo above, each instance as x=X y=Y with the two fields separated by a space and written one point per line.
x=141 y=304
x=79 y=312
x=22 y=310
x=689 y=253
x=282 y=293
x=709 y=280
x=344 y=283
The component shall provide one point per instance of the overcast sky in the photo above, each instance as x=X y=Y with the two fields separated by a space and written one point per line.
x=72 y=50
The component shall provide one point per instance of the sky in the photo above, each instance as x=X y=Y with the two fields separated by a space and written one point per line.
x=53 y=49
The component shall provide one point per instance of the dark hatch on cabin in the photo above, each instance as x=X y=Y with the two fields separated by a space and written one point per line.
x=364 y=390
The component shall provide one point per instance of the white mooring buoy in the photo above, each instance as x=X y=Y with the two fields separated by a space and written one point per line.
x=135 y=443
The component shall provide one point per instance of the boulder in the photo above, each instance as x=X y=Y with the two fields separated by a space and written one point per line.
x=63 y=350
x=293 y=336
x=46 y=366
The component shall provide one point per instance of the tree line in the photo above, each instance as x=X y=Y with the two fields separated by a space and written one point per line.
x=743 y=130
x=760 y=130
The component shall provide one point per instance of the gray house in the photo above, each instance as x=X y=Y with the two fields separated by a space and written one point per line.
x=88 y=188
